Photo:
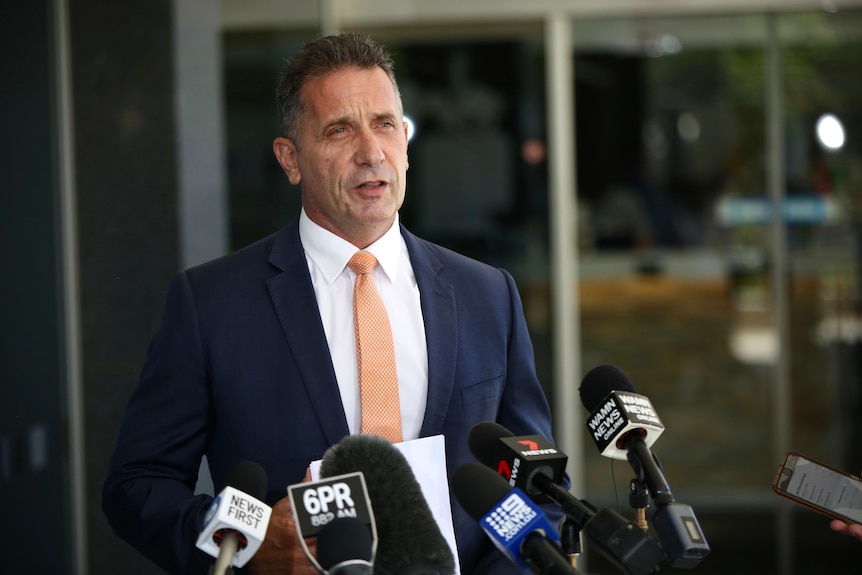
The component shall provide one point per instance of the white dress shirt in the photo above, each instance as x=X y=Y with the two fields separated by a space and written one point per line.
x=327 y=256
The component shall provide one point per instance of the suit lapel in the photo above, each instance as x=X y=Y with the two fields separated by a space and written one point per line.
x=296 y=306
x=440 y=316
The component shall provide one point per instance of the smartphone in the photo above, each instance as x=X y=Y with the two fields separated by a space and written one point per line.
x=820 y=487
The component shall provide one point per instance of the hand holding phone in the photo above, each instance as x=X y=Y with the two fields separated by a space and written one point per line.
x=822 y=488
x=852 y=529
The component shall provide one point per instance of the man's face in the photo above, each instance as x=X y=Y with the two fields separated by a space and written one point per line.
x=351 y=161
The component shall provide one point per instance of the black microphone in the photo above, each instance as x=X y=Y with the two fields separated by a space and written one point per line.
x=516 y=525
x=345 y=547
x=529 y=463
x=409 y=540
x=539 y=466
x=623 y=422
x=235 y=524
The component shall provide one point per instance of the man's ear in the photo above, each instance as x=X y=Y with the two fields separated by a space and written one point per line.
x=285 y=153
x=407 y=139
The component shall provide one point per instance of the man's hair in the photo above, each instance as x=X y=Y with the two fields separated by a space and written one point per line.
x=318 y=58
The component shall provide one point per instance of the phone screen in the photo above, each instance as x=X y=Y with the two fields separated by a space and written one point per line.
x=823 y=487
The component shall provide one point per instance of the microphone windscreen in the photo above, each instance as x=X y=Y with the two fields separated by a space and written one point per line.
x=248 y=477
x=478 y=489
x=483 y=441
x=407 y=533
x=343 y=539
x=600 y=381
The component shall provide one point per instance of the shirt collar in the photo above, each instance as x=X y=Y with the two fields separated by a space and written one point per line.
x=331 y=253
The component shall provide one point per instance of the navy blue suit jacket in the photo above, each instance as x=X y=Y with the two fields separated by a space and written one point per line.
x=240 y=370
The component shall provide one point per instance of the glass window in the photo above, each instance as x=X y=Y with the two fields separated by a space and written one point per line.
x=477 y=180
x=822 y=57
x=261 y=199
x=676 y=258
x=671 y=122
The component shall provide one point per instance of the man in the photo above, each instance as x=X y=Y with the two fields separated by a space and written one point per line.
x=255 y=358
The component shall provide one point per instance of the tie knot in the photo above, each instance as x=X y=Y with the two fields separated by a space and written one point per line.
x=362 y=263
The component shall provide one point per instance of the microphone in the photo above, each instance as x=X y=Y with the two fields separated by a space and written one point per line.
x=528 y=462
x=320 y=506
x=235 y=524
x=624 y=425
x=539 y=466
x=345 y=547
x=516 y=525
x=617 y=412
x=410 y=542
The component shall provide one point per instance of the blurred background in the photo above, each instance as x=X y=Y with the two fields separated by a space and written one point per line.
x=676 y=187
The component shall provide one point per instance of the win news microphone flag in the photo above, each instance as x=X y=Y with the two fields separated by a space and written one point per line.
x=624 y=425
x=235 y=524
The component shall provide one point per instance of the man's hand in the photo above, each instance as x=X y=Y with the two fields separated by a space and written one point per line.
x=280 y=553
x=852 y=529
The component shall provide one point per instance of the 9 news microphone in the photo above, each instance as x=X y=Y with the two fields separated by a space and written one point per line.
x=410 y=542
x=235 y=524
x=537 y=468
x=516 y=525
x=623 y=425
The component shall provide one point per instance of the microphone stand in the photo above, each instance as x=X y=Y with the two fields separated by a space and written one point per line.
x=570 y=540
x=639 y=500
x=617 y=538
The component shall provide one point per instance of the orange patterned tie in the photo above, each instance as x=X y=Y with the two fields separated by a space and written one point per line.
x=375 y=354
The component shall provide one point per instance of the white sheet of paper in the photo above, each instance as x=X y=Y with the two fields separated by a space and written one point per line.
x=427 y=458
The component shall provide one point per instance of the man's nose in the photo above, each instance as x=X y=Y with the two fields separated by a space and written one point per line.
x=368 y=149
